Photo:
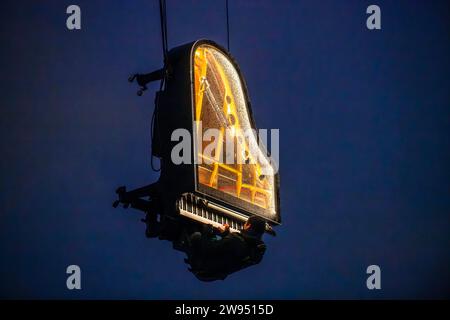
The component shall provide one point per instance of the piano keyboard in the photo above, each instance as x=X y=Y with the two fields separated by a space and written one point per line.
x=202 y=211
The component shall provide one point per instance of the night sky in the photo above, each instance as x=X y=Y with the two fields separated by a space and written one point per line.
x=364 y=120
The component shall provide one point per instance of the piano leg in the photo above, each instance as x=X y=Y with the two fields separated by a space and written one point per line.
x=153 y=226
x=133 y=198
x=153 y=229
x=150 y=190
x=150 y=207
x=143 y=205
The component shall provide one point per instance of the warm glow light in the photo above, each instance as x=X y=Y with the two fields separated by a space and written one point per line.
x=233 y=131
x=220 y=103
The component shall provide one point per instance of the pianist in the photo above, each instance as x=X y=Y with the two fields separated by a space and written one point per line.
x=215 y=255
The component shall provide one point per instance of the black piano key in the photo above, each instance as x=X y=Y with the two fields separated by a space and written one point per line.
x=193 y=204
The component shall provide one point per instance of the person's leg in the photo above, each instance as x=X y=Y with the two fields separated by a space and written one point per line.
x=195 y=241
x=194 y=250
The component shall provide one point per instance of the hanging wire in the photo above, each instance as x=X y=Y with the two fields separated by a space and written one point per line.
x=163 y=19
x=228 y=27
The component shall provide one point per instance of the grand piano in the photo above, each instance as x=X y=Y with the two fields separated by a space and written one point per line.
x=219 y=182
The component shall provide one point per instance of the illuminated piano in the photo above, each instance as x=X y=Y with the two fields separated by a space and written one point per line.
x=204 y=91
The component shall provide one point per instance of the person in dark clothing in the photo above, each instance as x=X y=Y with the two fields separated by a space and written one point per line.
x=215 y=256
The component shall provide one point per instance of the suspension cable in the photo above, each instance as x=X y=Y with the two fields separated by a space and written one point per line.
x=163 y=18
x=228 y=27
x=165 y=49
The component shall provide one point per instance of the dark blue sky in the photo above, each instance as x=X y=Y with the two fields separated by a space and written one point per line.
x=364 y=126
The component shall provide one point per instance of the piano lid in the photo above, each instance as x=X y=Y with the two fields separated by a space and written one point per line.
x=231 y=164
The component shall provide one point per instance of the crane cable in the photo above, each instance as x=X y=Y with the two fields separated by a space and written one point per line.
x=165 y=49
x=163 y=19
